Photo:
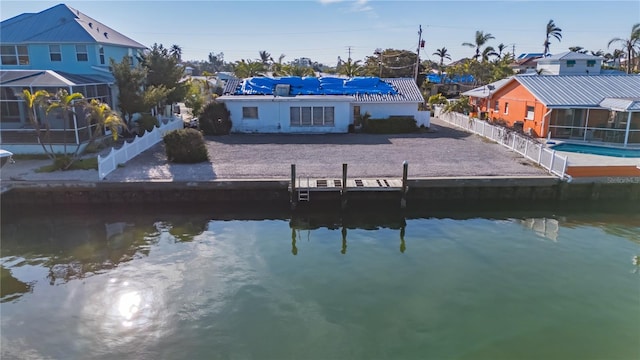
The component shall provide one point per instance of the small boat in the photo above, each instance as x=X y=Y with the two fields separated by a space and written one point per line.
x=6 y=157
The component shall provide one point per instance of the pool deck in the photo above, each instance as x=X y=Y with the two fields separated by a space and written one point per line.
x=601 y=168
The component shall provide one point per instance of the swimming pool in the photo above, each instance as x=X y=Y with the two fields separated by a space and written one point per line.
x=597 y=150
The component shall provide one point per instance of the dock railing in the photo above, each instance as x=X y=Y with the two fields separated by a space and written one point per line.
x=530 y=149
x=110 y=162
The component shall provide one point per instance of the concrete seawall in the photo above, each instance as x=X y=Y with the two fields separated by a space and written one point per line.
x=276 y=193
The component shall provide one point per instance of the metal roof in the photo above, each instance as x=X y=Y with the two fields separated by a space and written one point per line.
x=568 y=55
x=484 y=91
x=621 y=104
x=48 y=78
x=407 y=91
x=61 y=24
x=580 y=90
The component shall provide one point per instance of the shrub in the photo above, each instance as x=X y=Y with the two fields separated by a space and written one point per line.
x=391 y=125
x=147 y=122
x=214 y=119
x=437 y=99
x=185 y=146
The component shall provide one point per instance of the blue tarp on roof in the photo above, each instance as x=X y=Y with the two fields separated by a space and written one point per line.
x=464 y=79
x=316 y=86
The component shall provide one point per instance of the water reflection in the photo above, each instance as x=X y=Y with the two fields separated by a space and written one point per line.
x=81 y=243
x=73 y=246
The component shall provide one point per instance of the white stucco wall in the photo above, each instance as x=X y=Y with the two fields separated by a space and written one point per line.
x=580 y=68
x=384 y=110
x=274 y=113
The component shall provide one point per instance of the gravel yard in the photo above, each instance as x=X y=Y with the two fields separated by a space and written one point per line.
x=444 y=152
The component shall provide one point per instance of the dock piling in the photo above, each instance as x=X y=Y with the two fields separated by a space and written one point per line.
x=343 y=193
x=292 y=195
x=405 y=173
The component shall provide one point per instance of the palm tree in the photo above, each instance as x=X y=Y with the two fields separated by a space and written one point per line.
x=176 y=51
x=33 y=102
x=552 y=31
x=265 y=57
x=277 y=67
x=488 y=51
x=501 y=48
x=101 y=115
x=630 y=45
x=65 y=102
x=247 y=68
x=578 y=49
x=351 y=68
x=481 y=39
x=442 y=54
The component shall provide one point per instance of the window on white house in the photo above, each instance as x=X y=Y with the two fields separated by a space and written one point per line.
x=591 y=63
x=571 y=63
x=506 y=108
x=530 y=113
x=14 y=55
x=249 y=112
x=311 y=116
x=55 y=53
x=318 y=115
x=81 y=53
x=101 y=52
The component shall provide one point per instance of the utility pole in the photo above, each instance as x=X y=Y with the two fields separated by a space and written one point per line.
x=420 y=44
x=349 y=47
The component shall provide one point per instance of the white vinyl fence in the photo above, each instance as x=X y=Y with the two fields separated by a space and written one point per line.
x=532 y=150
x=129 y=150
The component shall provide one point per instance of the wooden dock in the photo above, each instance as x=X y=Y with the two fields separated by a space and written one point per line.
x=331 y=184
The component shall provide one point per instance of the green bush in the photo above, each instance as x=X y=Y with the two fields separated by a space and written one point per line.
x=147 y=122
x=215 y=119
x=391 y=125
x=185 y=146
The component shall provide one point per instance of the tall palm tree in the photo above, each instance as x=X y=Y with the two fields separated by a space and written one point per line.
x=488 y=51
x=481 y=39
x=552 y=31
x=33 y=102
x=265 y=57
x=65 y=103
x=176 y=51
x=630 y=45
x=442 y=54
x=501 y=48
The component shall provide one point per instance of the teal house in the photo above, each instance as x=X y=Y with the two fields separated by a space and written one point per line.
x=57 y=48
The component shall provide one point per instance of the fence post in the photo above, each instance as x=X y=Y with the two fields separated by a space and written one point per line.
x=553 y=158
x=539 y=153
x=564 y=167
x=526 y=148
x=513 y=143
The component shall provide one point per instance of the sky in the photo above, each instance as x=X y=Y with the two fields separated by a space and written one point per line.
x=324 y=30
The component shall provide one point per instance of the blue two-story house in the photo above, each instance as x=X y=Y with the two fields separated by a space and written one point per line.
x=58 y=48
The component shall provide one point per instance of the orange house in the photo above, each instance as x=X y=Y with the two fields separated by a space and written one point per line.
x=586 y=108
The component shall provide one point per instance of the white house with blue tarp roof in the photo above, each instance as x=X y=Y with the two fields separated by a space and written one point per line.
x=57 y=48
x=318 y=105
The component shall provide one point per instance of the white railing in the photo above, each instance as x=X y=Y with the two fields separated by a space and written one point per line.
x=129 y=150
x=530 y=149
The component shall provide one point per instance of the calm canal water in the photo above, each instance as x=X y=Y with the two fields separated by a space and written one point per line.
x=206 y=284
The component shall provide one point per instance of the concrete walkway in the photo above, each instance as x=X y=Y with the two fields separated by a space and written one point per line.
x=443 y=152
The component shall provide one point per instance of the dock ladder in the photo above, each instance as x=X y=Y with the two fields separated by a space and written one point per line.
x=303 y=193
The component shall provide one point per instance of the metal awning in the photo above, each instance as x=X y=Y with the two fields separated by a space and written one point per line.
x=621 y=104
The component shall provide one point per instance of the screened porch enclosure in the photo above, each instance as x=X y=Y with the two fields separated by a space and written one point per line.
x=596 y=125
x=16 y=128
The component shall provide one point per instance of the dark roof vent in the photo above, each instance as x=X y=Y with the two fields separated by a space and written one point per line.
x=105 y=35
x=91 y=25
